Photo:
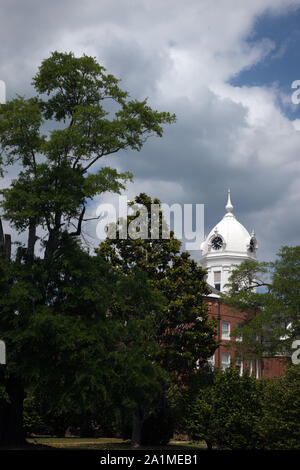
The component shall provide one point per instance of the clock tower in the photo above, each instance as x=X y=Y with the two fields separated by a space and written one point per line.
x=228 y=244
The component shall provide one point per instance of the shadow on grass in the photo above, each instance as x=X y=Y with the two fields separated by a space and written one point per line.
x=102 y=444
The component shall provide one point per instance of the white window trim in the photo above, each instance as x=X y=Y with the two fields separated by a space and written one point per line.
x=226 y=364
x=239 y=364
x=227 y=337
x=257 y=369
x=250 y=369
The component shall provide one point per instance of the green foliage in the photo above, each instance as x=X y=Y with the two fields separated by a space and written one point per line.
x=55 y=190
x=280 y=424
x=230 y=411
x=226 y=413
x=55 y=308
x=53 y=185
x=20 y=126
x=167 y=331
x=67 y=345
x=33 y=421
x=276 y=302
x=53 y=320
x=185 y=335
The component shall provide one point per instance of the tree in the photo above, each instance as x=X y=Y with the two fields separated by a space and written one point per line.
x=238 y=412
x=270 y=293
x=226 y=412
x=57 y=177
x=181 y=335
x=53 y=320
x=280 y=424
x=54 y=183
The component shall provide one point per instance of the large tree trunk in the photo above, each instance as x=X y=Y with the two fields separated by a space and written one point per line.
x=52 y=243
x=11 y=414
x=54 y=236
x=208 y=444
x=31 y=238
x=137 y=424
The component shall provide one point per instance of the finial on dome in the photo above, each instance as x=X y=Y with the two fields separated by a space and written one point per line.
x=229 y=206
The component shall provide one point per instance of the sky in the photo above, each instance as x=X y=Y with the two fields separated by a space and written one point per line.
x=224 y=67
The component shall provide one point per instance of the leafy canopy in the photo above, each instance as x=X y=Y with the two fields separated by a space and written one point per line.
x=181 y=328
x=54 y=304
x=272 y=292
x=79 y=115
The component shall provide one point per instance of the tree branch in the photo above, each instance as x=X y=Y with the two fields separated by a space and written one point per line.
x=100 y=156
x=78 y=231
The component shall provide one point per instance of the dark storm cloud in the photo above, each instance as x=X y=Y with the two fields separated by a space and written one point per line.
x=196 y=153
x=181 y=57
x=32 y=29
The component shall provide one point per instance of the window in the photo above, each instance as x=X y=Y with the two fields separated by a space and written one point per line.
x=225 y=360
x=239 y=365
x=225 y=330
x=249 y=366
x=217 y=280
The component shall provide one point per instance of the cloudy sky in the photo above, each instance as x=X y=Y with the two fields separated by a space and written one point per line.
x=224 y=67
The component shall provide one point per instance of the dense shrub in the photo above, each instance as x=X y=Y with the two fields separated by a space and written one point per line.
x=34 y=422
x=240 y=412
x=226 y=414
x=280 y=425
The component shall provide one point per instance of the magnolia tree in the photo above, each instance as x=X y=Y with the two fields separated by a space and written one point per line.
x=179 y=334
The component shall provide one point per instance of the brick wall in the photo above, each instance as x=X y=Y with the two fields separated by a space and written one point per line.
x=227 y=350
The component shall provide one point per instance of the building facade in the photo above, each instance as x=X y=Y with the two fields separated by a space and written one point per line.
x=228 y=244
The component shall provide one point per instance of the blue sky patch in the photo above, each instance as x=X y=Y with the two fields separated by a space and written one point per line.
x=282 y=65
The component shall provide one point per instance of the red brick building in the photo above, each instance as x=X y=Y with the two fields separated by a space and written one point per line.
x=228 y=319
x=227 y=245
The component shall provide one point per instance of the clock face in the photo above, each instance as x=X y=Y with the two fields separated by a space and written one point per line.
x=217 y=242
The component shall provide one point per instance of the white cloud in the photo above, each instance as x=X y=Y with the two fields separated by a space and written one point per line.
x=181 y=55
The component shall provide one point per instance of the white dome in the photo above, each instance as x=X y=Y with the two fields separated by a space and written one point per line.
x=227 y=245
x=235 y=237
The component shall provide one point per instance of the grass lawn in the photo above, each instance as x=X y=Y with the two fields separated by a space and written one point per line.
x=77 y=443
